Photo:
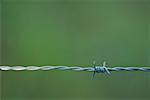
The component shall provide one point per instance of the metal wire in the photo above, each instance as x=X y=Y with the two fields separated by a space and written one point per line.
x=95 y=69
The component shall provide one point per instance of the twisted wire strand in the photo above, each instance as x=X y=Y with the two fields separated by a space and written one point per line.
x=75 y=68
x=98 y=69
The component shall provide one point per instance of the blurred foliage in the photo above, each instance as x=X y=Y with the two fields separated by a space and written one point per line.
x=75 y=32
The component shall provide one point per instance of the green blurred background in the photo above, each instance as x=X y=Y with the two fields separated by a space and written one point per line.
x=75 y=32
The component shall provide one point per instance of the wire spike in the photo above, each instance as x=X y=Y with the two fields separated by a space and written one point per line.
x=105 y=68
x=94 y=64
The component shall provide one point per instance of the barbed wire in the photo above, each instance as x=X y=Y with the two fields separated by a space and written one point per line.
x=95 y=69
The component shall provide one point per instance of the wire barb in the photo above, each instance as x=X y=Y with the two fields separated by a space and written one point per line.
x=100 y=69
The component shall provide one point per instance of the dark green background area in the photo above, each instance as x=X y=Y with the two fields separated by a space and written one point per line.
x=74 y=33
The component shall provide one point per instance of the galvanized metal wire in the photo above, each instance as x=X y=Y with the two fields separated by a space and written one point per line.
x=95 y=69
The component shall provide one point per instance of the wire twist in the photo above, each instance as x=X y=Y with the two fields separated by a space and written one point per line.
x=45 y=68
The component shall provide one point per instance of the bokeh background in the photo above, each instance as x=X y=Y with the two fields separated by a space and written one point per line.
x=75 y=32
